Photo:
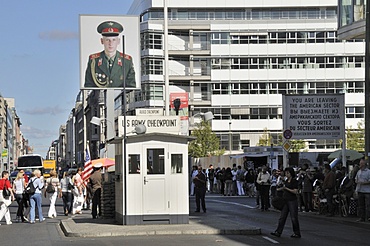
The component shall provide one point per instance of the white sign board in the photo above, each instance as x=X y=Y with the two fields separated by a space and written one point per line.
x=149 y=111
x=314 y=116
x=153 y=123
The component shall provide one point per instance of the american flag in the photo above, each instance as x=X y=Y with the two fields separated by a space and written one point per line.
x=88 y=168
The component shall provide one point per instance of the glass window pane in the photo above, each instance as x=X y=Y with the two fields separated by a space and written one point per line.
x=176 y=163
x=134 y=164
x=155 y=161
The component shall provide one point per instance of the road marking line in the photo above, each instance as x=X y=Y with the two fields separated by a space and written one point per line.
x=271 y=240
x=233 y=203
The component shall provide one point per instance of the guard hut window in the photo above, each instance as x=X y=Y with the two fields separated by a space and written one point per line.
x=155 y=161
x=134 y=164
x=176 y=163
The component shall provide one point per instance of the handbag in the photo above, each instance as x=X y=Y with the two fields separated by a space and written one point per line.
x=278 y=202
x=6 y=192
x=50 y=188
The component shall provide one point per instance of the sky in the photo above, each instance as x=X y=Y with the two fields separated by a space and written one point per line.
x=40 y=67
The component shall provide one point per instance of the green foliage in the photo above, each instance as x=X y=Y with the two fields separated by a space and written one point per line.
x=206 y=142
x=265 y=139
x=356 y=137
x=298 y=145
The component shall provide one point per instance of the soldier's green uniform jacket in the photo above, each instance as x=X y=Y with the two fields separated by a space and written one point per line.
x=98 y=74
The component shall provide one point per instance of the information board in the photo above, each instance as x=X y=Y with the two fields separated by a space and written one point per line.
x=314 y=116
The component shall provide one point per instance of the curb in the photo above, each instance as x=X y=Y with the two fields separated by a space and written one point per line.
x=146 y=230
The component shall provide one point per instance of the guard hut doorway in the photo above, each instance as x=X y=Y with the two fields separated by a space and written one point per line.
x=153 y=188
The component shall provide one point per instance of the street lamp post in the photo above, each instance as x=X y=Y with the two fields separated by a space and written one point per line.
x=207 y=116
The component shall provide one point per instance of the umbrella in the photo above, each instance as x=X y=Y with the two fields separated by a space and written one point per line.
x=351 y=155
x=106 y=162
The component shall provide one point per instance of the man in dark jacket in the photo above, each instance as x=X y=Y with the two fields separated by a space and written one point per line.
x=200 y=182
x=211 y=177
x=329 y=188
x=96 y=185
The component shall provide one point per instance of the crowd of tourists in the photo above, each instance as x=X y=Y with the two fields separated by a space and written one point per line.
x=329 y=191
x=77 y=194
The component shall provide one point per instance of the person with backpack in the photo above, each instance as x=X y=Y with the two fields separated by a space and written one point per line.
x=240 y=180
x=52 y=192
x=34 y=189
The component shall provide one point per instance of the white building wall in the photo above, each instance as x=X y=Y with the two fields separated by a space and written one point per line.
x=314 y=74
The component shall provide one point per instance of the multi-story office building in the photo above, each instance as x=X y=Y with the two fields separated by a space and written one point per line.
x=238 y=58
x=238 y=61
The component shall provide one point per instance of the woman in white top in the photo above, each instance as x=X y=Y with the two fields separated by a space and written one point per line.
x=78 y=196
x=53 y=181
x=18 y=187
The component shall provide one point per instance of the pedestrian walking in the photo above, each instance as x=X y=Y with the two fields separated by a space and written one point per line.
x=290 y=190
x=263 y=180
x=96 y=180
x=78 y=197
x=240 y=179
x=228 y=177
x=250 y=178
x=211 y=178
x=363 y=191
x=5 y=201
x=307 y=188
x=36 y=199
x=329 y=188
x=200 y=183
x=194 y=173
x=52 y=192
x=220 y=180
x=18 y=188
x=66 y=187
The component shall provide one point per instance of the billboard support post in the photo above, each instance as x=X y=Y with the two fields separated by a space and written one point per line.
x=124 y=136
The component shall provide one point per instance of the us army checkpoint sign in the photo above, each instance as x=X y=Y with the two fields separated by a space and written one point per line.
x=319 y=116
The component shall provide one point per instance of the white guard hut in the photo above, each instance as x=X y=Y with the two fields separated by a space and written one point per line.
x=152 y=188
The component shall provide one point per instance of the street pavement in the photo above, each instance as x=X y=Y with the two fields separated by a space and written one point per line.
x=199 y=224
x=83 y=225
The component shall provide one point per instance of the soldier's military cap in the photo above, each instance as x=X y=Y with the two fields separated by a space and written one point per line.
x=110 y=28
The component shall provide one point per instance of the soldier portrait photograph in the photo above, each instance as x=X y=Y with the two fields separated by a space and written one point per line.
x=109 y=67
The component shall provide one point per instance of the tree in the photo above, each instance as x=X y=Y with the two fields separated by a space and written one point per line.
x=355 y=137
x=298 y=145
x=206 y=142
x=265 y=139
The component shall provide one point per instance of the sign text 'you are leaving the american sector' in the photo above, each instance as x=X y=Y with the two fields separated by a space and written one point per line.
x=314 y=116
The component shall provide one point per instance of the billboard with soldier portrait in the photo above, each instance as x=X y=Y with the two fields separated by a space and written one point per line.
x=105 y=63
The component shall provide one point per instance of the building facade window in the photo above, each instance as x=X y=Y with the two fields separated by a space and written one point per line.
x=152 y=92
x=287 y=87
x=242 y=14
x=151 y=66
x=151 y=40
x=355 y=112
x=288 y=62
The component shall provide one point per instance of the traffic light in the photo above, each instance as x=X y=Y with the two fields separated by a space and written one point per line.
x=176 y=105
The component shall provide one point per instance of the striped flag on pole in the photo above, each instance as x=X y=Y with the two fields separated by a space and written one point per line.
x=88 y=168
